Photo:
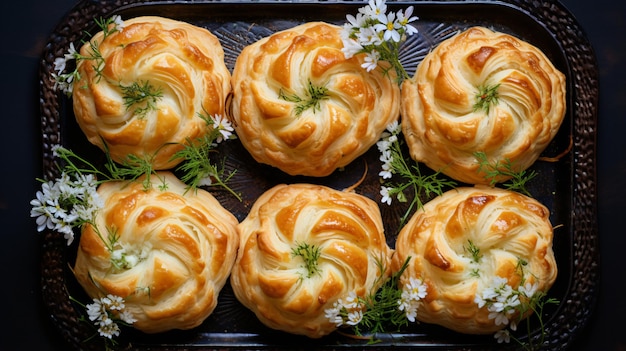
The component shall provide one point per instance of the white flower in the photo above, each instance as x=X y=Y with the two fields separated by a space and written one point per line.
x=412 y=293
x=57 y=149
x=368 y=36
x=501 y=300
x=409 y=307
x=206 y=181
x=528 y=290
x=224 y=126
x=114 y=302
x=502 y=336
x=352 y=301
x=488 y=294
x=394 y=128
x=351 y=47
x=389 y=26
x=387 y=158
x=383 y=145
x=384 y=191
x=356 y=22
x=127 y=317
x=65 y=204
x=496 y=307
x=416 y=289
x=499 y=281
x=118 y=254
x=41 y=206
x=332 y=314
x=371 y=60
x=131 y=261
x=499 y=318
x=386 y=173
x=374 y=8
x=119 y=23
x=64 y=83
x=96 y=311
x=66 y=230
x=404 y=18
x=354 y=317
x=61 y=62
x=109 y=329
x=103 y=313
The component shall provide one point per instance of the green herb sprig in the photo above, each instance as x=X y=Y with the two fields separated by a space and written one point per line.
x=379 y=35
x=65 y=81
x=313 y=96
x=526 y=301
x=487 y=96
x=476 y=256
x=143 y=96
x=310 y=254
x=474 y=251
x=412 y=177
x=517 y=180
x=197 y=162
x=381 y=307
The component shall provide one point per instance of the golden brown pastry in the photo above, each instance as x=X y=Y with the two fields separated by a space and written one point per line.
x=464 y=239
x=177 y=249
x=289 y=222
x=301 y=106
x=180 y=63
x=447 y=116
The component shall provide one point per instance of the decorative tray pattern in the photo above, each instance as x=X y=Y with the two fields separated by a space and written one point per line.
x=567 y=187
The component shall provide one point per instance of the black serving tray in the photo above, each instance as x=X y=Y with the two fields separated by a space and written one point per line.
x=567 y=187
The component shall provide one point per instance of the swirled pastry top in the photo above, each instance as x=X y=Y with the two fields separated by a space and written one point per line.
x=301 y=106
x=464 y=239
x=288 y=223
x=172 y=256
x=179 y=64
x=482 y=91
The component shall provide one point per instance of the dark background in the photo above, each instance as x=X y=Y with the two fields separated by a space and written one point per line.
x=26 y=25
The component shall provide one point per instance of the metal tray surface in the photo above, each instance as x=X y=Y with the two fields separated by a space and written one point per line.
x=566 y=187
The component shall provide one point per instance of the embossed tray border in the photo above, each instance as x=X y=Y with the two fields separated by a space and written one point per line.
x=581 y=299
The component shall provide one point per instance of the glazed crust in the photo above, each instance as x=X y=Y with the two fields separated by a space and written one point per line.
x=183 y=61
x=185 y=242
x=506 y=227
x=444 y=130
x=273 y=282
x=348 y=121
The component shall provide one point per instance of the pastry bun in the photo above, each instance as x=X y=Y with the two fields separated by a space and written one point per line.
x=442 y=123
x=464 y=239
x=180 y=246
x=271 y=280
x=183 y=62
x=271 y=74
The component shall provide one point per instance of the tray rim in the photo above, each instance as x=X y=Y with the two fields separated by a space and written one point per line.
x=582 y=293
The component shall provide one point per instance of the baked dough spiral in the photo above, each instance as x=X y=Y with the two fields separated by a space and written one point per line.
x=276 y=285
x=272 y=73
x=444 y=129
x=511 y=235
x=180 y=246
x=183 y=62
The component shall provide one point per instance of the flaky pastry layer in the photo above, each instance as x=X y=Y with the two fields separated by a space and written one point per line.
x=443 y=125
x=184 y=62
x=180 y=244
x=273 y=282
x=460 y=241
x=271 y=83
